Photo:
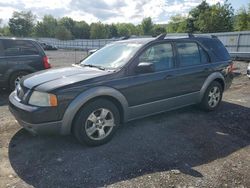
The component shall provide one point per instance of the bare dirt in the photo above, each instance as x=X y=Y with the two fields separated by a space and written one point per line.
x=182 y=148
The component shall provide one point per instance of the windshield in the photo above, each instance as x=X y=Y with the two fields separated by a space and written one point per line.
x=113 y=55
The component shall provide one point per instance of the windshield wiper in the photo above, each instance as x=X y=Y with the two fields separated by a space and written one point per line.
x=95 y=66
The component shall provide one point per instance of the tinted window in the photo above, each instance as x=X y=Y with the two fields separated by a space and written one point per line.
x=188 y=54
x=18 y=47
x=113 y=55
x=218 y=49
x=204 y=56
x=161 y=55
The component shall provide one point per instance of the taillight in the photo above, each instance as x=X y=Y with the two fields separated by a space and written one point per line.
x=46 y=62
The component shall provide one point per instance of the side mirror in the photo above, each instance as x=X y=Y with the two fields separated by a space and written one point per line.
x=145 y=67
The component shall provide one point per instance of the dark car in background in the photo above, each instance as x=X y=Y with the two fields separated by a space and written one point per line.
x=46 y=46
x=123 y=81
x=19 y=57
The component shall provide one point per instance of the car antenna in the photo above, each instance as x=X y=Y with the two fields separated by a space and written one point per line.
x=161 y=36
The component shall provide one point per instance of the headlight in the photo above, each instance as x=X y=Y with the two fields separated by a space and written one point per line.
x=42 y=99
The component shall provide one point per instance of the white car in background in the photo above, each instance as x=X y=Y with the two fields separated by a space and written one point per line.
x=248 y=71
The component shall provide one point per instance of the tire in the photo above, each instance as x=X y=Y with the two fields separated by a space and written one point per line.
x=212 y=97
x=92 y=127
x=14 y=79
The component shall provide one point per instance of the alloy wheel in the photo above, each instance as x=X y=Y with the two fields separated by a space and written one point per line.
x=99 y=124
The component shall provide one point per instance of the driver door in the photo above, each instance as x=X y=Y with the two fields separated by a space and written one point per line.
x=147 y=88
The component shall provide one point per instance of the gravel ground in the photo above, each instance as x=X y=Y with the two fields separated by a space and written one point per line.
x=182 y=148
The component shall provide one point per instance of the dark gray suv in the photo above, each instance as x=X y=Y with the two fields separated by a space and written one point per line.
x=123 y=81
x=19 y=57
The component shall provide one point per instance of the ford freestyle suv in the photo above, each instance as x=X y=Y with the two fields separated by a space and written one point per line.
x=123 y=81
x=19 y=57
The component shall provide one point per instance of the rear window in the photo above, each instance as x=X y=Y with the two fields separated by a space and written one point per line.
x=18 y=48
x=218 y=49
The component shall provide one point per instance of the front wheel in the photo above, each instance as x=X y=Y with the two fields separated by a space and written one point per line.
x=96 y=122
x=15 y=79
x=212 y=96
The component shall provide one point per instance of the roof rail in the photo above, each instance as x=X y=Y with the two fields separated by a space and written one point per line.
x=161 y=36
x=181 y=35
x=190 y=35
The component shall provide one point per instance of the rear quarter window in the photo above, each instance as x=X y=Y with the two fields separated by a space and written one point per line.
x=19 y=48
x=218 y=49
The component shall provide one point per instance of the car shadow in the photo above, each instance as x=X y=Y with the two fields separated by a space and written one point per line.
x=181 y=139
x=4 y=97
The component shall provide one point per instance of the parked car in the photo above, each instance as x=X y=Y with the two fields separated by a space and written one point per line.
x=248 y=71
x=46 y=46
x=123 y=81
x=19 y=57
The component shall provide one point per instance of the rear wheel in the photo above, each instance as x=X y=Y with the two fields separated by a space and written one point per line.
x=15 y=79
x=212 y=96
x=96 y=122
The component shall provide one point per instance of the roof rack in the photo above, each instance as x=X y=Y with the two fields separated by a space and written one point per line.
x=161 y=36
x=164 y=35
x=181 y=35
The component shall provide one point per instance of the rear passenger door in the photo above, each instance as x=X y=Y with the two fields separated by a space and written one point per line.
x=193 y=67
x=22 y=55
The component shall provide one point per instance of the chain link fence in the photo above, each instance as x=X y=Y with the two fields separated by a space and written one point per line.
x=237 y=43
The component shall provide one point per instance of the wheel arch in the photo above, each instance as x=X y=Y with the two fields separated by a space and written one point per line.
x=87 y=96
x=216 y=76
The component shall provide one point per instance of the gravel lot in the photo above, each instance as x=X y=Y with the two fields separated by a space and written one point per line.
x=182 y=148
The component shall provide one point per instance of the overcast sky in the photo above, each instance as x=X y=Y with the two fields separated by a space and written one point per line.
x=108 y=11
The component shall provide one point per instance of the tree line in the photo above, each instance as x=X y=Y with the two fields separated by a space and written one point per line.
x=204 y=18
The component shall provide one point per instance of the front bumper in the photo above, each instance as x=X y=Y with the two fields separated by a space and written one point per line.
x=23 y=114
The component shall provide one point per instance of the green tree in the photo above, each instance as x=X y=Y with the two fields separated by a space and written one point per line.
x=177 y=24
x=215 y=18
x=68 y=23
x=5 y=31
x=47 y=27
x=242 y=19
x=159 y=29
x=113 y=32
x=22 y=23
x=194 y=15
x=81 y=30
x=98 y=31
x=63 y=33
x=123 y=30
x=147 y=26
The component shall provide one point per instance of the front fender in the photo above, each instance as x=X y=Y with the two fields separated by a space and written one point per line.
x=83 y=98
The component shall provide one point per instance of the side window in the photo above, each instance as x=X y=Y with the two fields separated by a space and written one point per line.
x=188 y=53
x=19 y=48
x=161 y=55
x=204 y=55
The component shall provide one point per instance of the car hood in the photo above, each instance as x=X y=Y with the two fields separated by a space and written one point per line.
x=55 y=78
